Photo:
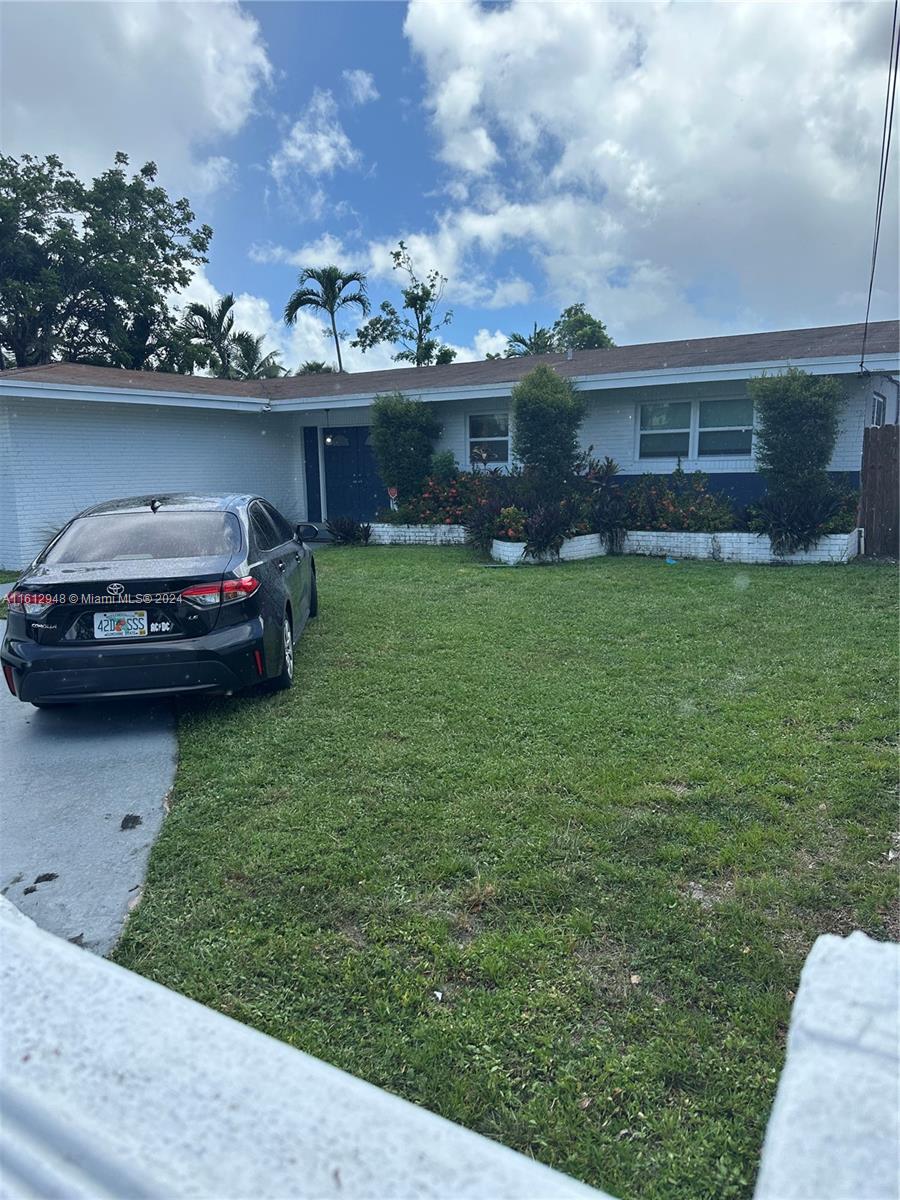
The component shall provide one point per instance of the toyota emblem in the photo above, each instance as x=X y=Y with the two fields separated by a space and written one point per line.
x=115 y=589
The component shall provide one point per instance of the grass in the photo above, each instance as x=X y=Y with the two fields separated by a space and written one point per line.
x=544 y=849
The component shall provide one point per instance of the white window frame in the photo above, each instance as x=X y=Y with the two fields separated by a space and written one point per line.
x=488 y=466
x=694 y=431
x=688 y=429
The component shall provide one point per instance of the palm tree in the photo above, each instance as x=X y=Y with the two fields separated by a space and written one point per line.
x=314 y=366
x=328 y=296
x=250 y=362
x=213 y=330
x=539 y=341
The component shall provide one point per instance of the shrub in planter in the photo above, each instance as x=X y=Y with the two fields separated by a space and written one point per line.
x=605 y=504
x=546 y=529
x=347 y=531
x=482 y=522
x=682 y=502
x=547 y=414
x=511 y=525
x=403 y=436
x=796 y=429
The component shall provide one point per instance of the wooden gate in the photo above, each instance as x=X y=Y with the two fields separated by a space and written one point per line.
x=879 y=503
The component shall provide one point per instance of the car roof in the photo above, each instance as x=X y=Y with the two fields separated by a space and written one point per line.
x=172 y=502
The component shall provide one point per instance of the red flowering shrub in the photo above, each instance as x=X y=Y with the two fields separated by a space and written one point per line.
x=678 y=502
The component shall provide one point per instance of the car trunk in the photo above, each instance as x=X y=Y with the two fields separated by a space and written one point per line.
x=81 y=592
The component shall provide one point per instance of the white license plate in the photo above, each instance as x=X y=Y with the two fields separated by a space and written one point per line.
x=120 y=624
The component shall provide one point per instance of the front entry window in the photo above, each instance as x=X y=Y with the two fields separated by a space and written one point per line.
x=489 y=439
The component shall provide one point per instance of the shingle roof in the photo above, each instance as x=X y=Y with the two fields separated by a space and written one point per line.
x=782 y=345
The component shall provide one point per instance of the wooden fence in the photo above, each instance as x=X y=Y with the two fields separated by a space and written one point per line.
x=879 y=504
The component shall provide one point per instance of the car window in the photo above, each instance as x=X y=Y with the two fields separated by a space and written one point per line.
x=282 y=527
x=115 y=537
x=264 y=533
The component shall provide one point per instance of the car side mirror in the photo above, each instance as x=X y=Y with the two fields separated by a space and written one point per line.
x=306 y=532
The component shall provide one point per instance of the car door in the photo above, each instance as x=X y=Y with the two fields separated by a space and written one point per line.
x=267 y=564
x=295 y=557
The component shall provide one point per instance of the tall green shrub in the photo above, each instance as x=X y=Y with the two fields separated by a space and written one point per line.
x=547 y=414
x=796 y=429
x=403 y=435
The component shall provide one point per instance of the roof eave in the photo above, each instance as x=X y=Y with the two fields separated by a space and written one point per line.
x=123 y=395
x=847 y=364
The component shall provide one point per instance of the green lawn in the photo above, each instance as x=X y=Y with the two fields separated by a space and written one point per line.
x=544 y=849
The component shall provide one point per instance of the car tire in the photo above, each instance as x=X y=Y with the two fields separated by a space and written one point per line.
x=45 y=704
x=285 y=678
x=314 y=598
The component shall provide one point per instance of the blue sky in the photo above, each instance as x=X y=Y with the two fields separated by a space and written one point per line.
x=684 y=169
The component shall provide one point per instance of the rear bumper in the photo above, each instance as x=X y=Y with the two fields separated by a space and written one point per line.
x=221 y=661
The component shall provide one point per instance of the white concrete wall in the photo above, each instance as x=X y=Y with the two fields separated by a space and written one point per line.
x=385 y=534
x=722 y=547
x=58 y=457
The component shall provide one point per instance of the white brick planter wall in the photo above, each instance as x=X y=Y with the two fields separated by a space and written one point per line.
x=739 y=547
x=417 y=535
x=724 y=547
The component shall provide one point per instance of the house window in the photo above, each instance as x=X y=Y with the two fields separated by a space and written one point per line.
x=879 y=405
x=725 y=427
x=665 y=429
x=489 y=439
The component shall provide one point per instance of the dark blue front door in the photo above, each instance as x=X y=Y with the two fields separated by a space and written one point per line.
x=352 y=485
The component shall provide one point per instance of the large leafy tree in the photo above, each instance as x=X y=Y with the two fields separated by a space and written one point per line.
x=539 y=341
x=86 y=270
x=416 y=325
x=328 y=290
x=576 y=329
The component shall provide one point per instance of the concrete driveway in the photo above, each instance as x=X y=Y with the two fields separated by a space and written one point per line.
x=82 y=793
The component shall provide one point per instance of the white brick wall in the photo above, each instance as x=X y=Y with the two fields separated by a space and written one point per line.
x=724 y=547
x=58 y=457
x=417 y=535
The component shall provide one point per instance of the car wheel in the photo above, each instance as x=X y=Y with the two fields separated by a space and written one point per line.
x=286 y=678
x=314 y=598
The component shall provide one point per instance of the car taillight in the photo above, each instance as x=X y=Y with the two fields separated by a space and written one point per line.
x=11 y=679
x=207 y=595
x=238 y=589
x=29 y=603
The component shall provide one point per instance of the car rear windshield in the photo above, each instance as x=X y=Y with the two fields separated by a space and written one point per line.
x=114 y=537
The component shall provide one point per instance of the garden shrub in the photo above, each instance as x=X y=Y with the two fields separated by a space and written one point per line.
x=443 y=468
x=403 y=436
x=605 y=505
x=547 y=414
x=547 y=528
x=511 y=524
x=347 y=531
x=796 y=430
x=678 y=502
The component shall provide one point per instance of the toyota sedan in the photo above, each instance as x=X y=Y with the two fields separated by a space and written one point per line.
x=159 y=594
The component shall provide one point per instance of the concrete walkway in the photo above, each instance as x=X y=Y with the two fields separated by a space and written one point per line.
x=81 y=802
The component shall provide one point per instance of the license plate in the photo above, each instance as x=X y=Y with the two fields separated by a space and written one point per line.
x=120 y=624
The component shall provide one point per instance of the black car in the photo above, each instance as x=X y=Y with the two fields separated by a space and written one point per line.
x=161 y=594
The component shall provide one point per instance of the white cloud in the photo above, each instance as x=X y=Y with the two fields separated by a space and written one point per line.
x=682 y=168
x=360 y=86
x=321 y=252
x=161 y=80
x=316 y=143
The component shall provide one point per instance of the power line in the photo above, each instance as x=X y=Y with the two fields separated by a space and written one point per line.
x=887 y=126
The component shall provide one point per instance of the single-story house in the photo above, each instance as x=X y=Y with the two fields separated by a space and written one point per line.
x=72 y=435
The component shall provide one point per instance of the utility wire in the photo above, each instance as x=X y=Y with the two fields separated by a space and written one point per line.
x=887 y=126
